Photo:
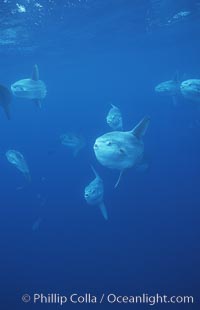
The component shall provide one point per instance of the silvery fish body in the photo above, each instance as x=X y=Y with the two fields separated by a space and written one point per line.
x=121 y=150
x=168 y=88
x=29 y=89
x=190 y=89
x=118 y=150
x=114 y=118
x=17 y=159
x=94 y=194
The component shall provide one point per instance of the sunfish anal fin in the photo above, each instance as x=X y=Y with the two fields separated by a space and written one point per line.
x=95 y=173
x=140 y=129
x=103 y=209
x=38 y=103
x=27 y=176
x=118 y=180
x=35 y=73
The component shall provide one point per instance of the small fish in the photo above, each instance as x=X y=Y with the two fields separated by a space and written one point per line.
x=5 y=100
x=169 y=88
x=190 y=89
x=121 y=150
x=72 y=141
x=32 y=88
x=17 y=159
x=114 y=118
x=94 y=194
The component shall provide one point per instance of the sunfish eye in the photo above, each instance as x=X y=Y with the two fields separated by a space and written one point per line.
x=109 y=143
x=19 y=88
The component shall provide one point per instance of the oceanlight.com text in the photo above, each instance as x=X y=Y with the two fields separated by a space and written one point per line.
x=111 y=298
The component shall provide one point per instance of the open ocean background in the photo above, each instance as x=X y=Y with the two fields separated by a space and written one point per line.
x=90 y=53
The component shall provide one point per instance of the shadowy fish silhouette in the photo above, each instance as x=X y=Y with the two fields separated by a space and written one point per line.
x=5 y=100
x=72 y=141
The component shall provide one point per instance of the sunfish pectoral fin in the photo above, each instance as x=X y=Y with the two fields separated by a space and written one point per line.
x=38 y=103
x=35 y=73
x=103 y=209
x=119 y=178
x=140 y=129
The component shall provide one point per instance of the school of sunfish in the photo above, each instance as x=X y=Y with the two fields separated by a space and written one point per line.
x=116 y=149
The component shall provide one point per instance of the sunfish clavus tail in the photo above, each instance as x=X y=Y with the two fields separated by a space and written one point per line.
x=103 y=210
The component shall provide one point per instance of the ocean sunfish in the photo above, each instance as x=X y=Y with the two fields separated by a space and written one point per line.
x=32 y=88
x=190 y=89
x=72 y=141
x=169 y=88
x=18 y=160
x=94 y=194
x=114 y=118
x=121 y=150
x=5 y=100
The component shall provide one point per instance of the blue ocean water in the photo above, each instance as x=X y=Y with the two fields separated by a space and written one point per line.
x=90 y=53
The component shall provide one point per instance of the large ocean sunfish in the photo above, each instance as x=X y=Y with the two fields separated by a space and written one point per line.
x=121 y=150
x=170 y=88
x=190 y=89
x=32 y=88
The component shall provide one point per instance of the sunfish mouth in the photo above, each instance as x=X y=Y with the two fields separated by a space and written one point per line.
x=95 y=146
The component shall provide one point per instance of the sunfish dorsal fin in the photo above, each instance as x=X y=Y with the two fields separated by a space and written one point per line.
x=35 y=73
x=103 y=209
x=119 y=178
x=140 y=129
x=95 y=173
